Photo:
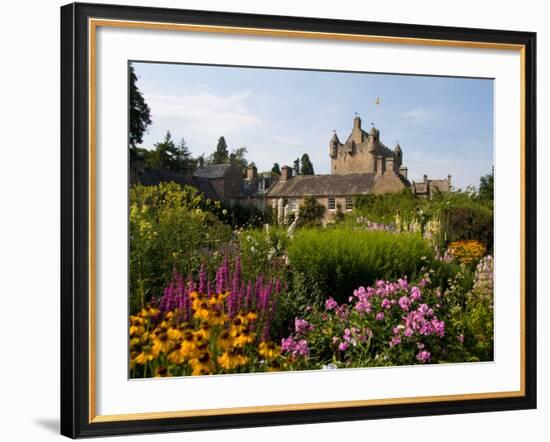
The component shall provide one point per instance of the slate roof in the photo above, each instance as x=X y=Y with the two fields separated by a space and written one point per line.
x=212 y=171
x=441 y=185
x=324 y=185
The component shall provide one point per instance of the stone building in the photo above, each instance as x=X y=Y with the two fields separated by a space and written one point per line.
x=365 y=153
x=428 y=187
x=360 y=166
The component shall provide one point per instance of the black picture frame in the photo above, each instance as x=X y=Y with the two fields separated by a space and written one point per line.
x=75 y=221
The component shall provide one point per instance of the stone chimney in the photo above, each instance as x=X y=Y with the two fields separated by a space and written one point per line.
x=251 y=172
x=449 y=179
x=425 y=178
x=403 y=171
x=286 y=173
x=357 y=123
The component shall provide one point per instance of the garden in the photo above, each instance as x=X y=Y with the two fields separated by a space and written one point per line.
x=398 y=280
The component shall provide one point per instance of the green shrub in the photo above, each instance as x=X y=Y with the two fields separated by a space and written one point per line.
x=171 y=227
x=262 y=252
x=467 y=222
x=338 y=260
x=311 y=212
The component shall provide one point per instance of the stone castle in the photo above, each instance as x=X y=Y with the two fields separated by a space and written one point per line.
x=360 y=166
x=364 y=153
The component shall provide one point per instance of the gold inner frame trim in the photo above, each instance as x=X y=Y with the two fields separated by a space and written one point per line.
x=93 y=24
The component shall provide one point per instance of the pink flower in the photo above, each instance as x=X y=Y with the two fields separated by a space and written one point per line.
x=379 y=316
x=386 y=303
x=301 y=349
x=415 y=294
x=404 y=303
x=423 y=356
x=343 y=346
x=288 y=344
x=301 y=325
x=460 y=337
x=396 y=340
x=330 y=303
x=423 y=308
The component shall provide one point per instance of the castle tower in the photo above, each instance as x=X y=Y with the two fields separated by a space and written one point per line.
x=334 y=144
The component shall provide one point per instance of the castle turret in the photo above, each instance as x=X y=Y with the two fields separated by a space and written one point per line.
x=334 y=145
x=357 y=133
x=373 y=139
x=397 y=157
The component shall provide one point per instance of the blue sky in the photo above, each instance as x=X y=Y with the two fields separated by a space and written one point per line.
x=444 y=125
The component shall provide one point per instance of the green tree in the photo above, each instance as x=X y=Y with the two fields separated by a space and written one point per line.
x=238 y=156
x=276 y=169
x=221 y=154
x=185 y=161
x=140 y=114
x=166 y=155
x=307 y=167
x=486 y=186
x=296 y=167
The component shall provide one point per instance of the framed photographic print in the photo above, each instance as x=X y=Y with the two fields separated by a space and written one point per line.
x=274 y=220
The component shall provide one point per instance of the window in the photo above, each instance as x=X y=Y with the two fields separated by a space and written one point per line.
x=261 y=185
x=331 y=203
x=349 y=203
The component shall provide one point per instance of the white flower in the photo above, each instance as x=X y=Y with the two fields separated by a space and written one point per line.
x=329 y=367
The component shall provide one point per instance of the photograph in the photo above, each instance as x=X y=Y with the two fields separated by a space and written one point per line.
x=297 y=219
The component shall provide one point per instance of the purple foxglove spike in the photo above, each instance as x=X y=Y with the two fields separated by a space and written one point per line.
x=219 y=281
x=191 y=283
x=248 y=296
x=277 y=285
x=202 y=279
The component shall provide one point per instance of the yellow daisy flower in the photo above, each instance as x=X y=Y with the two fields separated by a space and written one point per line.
x=243 y=338
x=145 y=356
x=231 y=359
x=162 y=344
x=202 y=364
x=269 y=350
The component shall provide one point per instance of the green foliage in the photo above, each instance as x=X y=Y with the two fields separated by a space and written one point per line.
x=221 y=154
x=383 y=208
x=140 y=113
x=276 y=169
x=461 y=213
x=311 y=212
x=468 y=221
x=296 y=167
x=171 y=227
x=238 y=156
x=307 y=166
x=341 y=259
x=486 y=186
x=262 y=251
x=168 y=156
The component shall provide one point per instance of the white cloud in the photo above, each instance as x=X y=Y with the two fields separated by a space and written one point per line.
x=205 y=115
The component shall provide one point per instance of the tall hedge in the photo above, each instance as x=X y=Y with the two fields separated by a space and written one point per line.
x=340 y=260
